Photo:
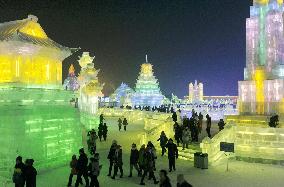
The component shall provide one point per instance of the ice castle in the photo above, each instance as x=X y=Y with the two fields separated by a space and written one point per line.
x=36 y=119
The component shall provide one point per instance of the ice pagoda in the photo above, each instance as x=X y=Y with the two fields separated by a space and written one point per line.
x=122 y=95
x=71 y=82
x=90 y=88
x=36 y=119
x=147 y=91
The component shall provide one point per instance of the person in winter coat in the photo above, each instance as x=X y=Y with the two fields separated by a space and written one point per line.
x=164 y=179
x=221 y=124
x=94 y=170
x=172 y=154
x=111 y=155
x=208 y=125
x=92 y=145
x=30 y=173
x=178 y=134
x=154 y=152
x=100 y=131
x=105 y=131
x=185 y=138
x=118 y=162
x=148 y=166
x=174 y=116
x=134 y=156
x=163 y=141
x=102 y=118
x=141 y=160
x=19 y=173
x=125 y=123
x=119 y=124
x=82 y=168
x=181 y=182
x=73 y=172
x=200 y=120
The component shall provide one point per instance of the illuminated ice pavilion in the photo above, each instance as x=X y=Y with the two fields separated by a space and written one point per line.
x=36 y=119
x=147 y=91
x=122 y=95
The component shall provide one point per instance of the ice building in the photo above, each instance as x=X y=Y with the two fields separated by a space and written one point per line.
x=36 y=119
x=195 y=92
x=90 y=88
x=147 y=91
x=71 y=82
x=122 y=95
x=262 y=91
x=260 y=94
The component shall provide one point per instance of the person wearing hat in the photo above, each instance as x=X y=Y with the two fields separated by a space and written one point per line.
x=111 y=155
x=82 y=168
x=94 y=170
x=30 y=173
x=19 y=173
x=172 y=154
x=118 y=162
x=134 y=156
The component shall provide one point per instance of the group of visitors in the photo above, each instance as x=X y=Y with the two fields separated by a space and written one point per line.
x=124 y=123
x=83 y=168
x=24 y=173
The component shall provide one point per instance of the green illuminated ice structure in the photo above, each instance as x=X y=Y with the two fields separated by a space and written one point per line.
x=36 y=118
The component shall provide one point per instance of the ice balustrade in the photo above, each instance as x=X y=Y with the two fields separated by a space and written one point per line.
x=253 y=144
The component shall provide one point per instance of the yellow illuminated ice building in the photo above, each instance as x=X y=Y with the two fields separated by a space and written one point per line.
x=28 y=57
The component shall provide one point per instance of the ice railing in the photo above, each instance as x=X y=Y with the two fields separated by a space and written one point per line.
x=253 y=144
x=212 y=146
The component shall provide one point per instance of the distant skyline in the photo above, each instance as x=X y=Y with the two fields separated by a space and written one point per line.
x=185 y=40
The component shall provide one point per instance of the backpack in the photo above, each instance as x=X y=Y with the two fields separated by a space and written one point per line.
x=17 y=178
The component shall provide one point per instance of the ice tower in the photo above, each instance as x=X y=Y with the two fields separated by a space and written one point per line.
x=195 y=92
x=36 y=119
x=262 y=91
x=147 y=91
x=90 y=88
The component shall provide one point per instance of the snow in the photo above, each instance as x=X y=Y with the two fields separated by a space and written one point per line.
x=239 y=174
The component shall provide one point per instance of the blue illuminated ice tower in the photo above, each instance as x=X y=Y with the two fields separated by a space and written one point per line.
x=147 y=91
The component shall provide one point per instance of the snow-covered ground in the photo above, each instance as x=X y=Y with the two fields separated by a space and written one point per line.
x=240 y=174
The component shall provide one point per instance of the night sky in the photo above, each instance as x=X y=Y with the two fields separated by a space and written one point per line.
x=184 y=39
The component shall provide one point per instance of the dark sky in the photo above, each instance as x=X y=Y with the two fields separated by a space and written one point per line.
x=184 y=39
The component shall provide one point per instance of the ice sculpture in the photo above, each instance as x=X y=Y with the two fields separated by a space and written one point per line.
x=28 y=58
x=147 y=91
x=122 y=95
x=195 y=92
x=262 y=90
x=36 y=119
x=90 y=88
x=71 y=82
